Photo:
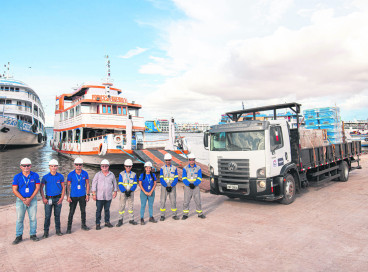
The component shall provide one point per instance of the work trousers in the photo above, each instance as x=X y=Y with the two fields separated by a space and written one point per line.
x=123 y=200
x=105 y=204
x=73 y=205
x=188 y=194
x=144 y=199
x=172 y=196
x=48 y=212
x=21 y=210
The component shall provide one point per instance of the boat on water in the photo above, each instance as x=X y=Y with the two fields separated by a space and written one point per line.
x=357 y=130
x=97 y=122
x=22 y=117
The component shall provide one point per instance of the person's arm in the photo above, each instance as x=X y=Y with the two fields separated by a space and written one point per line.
x=94 y=186
x=140 y=184
x=154 y=184
x=134 y=184
x=115 y=186
x=162 y=179
x=41 y=190
x=175 y=178
x=199 y=177
x=62 y=192
x=87 y=187
x=69 y=186
x=121 y=184
x=184 y=177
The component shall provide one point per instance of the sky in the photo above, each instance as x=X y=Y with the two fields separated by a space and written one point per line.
x=193 y=59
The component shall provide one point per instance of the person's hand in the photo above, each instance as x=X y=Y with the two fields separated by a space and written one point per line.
x=27 y=202
x=191 y=186
x=87 y=198
x=60 y=200
x=94 y=197
x=69 y=199
x=114 y=194
x=44 y=200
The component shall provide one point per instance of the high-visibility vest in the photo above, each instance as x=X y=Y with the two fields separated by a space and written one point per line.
x=169 y=174
x=192 y=173
x=128 y=179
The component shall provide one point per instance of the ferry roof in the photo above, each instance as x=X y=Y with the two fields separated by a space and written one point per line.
x=82 y=89
x=17 y=83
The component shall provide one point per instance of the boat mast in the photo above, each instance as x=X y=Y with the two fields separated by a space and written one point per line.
x=6 y=73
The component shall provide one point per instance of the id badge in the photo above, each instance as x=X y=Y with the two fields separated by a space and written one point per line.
x=27 y=190
x=50 y=201
x=78 y=187
x=149 y=187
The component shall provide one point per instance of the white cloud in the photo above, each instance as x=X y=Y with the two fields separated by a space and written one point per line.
x=133 y=52
x=229 y=51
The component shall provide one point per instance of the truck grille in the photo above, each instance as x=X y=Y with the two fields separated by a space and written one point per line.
x=233 y=170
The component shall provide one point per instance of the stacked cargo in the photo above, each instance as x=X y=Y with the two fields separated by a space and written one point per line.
x=325 y=118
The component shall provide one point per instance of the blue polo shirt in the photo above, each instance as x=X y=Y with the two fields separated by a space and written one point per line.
x=76 y=180
x=24 y=182
x=53 y=184
x=147 y=182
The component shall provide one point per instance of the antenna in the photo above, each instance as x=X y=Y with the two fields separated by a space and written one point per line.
x=6 y=73
x=108 y=80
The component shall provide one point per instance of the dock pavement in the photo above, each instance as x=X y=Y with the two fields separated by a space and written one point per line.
x=325 y=229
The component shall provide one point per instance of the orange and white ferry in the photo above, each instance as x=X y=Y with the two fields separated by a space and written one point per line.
x=97 y=122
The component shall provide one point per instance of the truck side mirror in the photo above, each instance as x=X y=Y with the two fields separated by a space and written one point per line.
x=205 y=139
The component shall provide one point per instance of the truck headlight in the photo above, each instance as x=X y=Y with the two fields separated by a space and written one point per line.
x=261 y=172
x=262 y=184
x=212 y=171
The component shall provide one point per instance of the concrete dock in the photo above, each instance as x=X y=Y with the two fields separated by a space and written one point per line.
x=325 y=229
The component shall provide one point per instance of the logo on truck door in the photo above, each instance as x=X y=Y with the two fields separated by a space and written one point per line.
x=281 y=161
x=232 y=166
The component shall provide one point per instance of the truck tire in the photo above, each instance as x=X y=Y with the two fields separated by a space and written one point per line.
x=343 y=171
x=289 y=190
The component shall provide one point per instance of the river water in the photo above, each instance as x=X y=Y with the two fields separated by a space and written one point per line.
x=41 y=155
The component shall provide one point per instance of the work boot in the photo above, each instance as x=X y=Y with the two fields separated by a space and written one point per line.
x=184 y=217
x=17 y=240
x=59 y=233
x=120 y=223
x=142 y=221
x=68 y=231
x=98 y=227
x=109 y=225
x=175 y=217
x=133 y=222
x=34 y=238
x=84 y=227
x=202 y=216
x=45 y=234
x=162 y=218
x=152 y=220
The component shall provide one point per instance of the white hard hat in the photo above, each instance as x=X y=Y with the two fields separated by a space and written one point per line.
x=191 y=156
x=53 y=162
x=148 y=164
x=25 y=161
x=105 y=162
x=167 y=157
x=128 y=162
x=78 y=160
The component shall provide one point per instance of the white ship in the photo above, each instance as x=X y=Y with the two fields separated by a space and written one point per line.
x=357 y=130
x=22 y=118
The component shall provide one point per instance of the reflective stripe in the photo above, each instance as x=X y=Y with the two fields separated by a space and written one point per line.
x=174 y=210
x=135 y=182
x=162 y=210
x=184 y=178
x=192 y=179
x=120 y=183
x=161 y=176
x=199 y=178
x=176 y=176
x=130 y=211
x=185 y=211
x=198 y=211
x=125 y=184
x=121 y=212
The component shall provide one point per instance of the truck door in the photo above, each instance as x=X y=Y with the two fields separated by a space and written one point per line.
x=280 y=149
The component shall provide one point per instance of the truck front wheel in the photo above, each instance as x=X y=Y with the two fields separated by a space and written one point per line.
x=289 y=190
x=343 y=171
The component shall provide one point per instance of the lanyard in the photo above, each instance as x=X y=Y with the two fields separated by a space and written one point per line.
x=168 y=173
x=148 y=178
x=128 y=177
x=191 y=172
x=80 y=177
x=28 y=178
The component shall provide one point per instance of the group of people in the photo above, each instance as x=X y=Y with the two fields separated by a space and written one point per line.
x=52 y=188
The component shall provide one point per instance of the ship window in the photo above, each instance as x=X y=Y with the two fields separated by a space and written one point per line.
x=103 y=108
x=17 y=89
x=109 y=108
x=8 y=102
x=11 y=89
x=114 y=109
x=65 y=115
x=119 y=110
x=6 y=88
x=72 y=113
x=2 y=101
x=124 y=110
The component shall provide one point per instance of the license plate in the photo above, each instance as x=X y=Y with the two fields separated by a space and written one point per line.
x=232 y=187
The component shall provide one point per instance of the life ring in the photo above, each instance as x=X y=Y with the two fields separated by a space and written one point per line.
x=118 y=139
x=102 y=149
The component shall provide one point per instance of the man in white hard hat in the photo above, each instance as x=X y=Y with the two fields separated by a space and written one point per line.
x=104 y=189
x=168 y=180
x=127 y=185
x=26 y=185
x=55 y=190
x=192 y=177
x=78 y=192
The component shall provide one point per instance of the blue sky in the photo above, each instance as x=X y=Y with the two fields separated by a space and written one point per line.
x=191 y=59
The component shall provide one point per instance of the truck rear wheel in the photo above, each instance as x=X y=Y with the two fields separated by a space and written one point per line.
x=343 y=171
x=289 y=190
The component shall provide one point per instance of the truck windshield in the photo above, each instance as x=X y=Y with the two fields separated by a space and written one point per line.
x=238 y=141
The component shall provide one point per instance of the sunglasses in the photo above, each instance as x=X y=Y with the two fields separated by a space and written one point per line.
x=191 y=159
x=104 y=166
x=78 y=164
x=54 y=165
x=26 y=165
x=128 y=166
x=167 y=160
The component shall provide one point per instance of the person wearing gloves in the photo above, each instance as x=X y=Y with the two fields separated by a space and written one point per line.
x=26 y=185
x=78 y=192
x=55 y=190
x=147 y=183
x=127 y=185
x=192 y=177
x=104 y=189
x=168 y=180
